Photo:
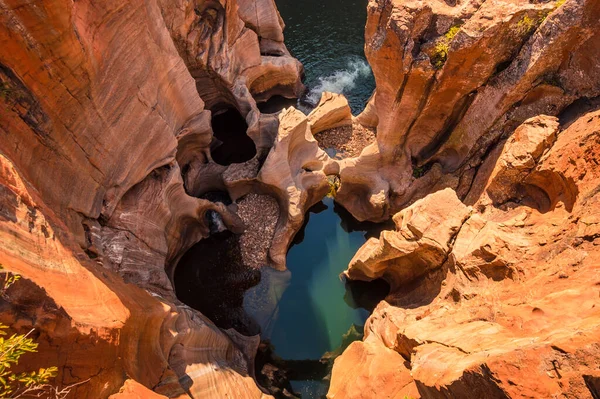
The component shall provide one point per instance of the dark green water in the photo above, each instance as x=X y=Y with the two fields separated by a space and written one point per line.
x=327 y=36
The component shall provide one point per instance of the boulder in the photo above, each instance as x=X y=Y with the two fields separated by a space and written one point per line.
x=421 y=242
x=331 y=111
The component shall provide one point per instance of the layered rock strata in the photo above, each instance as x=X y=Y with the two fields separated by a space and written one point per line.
x=497 y=301
x=98 y=329
x=105 y=135
x=455 y=78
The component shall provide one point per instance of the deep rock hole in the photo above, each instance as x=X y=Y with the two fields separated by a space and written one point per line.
x=276 y=104
x=232 y=143
x=212 y=278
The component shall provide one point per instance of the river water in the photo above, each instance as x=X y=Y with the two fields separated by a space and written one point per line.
x=327 y=36
x=306 y=311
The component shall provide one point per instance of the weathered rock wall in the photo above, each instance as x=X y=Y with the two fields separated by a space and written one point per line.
x=99 y=104
x=97 y=329
x=495 y=300
x=452 y=80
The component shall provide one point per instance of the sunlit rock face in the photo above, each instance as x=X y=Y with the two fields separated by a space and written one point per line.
x=106 y=111
x=98 y=329
x=295 y=172
x=455 y=78
x=501 y=300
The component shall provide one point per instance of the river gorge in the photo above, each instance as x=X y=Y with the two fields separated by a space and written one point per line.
x=256 y=199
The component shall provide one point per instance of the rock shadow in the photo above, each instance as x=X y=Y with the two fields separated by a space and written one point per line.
x=231 y=143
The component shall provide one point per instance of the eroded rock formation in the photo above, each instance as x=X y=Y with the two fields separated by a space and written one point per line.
x=455 y=78
x=422 y=240
x=332 y=111
x=512 y=310
x=97 y=328
x=106 y=147
x=105 y=131
x=296 y=173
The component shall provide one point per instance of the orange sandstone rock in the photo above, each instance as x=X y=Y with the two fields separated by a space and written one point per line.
x=513 y=310
x=331 y=111
x=455 y=78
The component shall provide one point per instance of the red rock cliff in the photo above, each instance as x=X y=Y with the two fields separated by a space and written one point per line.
x=455 y=78
x=102 y=106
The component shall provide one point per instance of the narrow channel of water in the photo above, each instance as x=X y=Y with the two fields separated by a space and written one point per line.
x=327 y=36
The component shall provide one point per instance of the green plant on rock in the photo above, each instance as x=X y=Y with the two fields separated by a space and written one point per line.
x=418 y=171
x=442 y=47
x=334 y=185
x=526 y=25
x=26 y=384
x=5 y=90
x=548 y=12
x=559 y=3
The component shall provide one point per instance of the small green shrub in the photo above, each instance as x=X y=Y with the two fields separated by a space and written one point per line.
x=31 y=384
x=559 y=3
x=17 y=385
x=334 y=185
x=418 y=171
x=5 y=90
x=526 y=25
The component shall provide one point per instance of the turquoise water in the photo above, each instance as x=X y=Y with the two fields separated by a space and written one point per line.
x=327 y=36
x=306 y=310
x=312 y=313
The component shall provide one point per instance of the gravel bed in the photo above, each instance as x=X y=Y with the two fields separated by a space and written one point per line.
x=348 y=141
x=260 y=214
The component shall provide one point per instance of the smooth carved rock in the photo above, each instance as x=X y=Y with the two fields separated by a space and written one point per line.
x=381 y=368
x=111 y=119
x=194 y=140
x=98 y=330
x=368 y=117
x=332 y=111
x=275 y=76
x=153 y=226
x=234 y=50
x=295 y=172
x=490 y=250
x=133 y=390
x=512 y=313
x=452 y=80
x=521 y=153
x=100 y=130
x=264 y=18
x=420 y=243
